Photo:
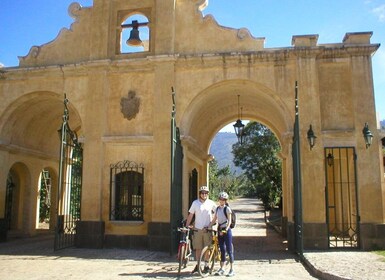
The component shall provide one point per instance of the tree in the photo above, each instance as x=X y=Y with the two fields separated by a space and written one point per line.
x=221 y=179
x=257 y=157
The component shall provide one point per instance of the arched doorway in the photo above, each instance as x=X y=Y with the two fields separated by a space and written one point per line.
x=46 y=199
x=16 y=199
x=216 y=106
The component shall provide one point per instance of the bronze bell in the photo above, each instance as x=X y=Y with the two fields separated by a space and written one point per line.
x=134 y=39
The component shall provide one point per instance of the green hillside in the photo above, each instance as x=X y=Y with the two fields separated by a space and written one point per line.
x=221 y=148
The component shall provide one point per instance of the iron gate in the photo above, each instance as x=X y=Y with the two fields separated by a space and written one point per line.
x=193 y=186
x=341 y=197
x=176 y=180
x=69 y=185
x=9 y=201
x=297 y=181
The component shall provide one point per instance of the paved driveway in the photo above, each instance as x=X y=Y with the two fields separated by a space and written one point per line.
x=259 y=254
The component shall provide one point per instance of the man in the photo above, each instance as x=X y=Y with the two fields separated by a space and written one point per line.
x=203 y=208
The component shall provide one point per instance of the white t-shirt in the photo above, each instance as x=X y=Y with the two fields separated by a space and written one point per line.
x=204 y=212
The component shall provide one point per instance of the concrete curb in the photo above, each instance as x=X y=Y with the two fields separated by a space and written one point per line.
x=319 y=273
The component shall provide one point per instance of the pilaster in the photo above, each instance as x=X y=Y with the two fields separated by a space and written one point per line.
x=162 y=104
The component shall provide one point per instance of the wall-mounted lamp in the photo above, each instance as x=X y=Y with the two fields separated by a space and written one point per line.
x=311 y=137
x=330 y=159
x=134 y=39
x=239 y=126
x=368 y=136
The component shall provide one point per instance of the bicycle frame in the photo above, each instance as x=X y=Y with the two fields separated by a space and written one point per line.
x=184 y=248
x=210 y=254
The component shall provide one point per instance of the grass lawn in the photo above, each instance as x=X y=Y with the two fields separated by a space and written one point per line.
x=381 y=253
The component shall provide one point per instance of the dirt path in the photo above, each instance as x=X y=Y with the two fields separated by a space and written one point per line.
x=253 y=240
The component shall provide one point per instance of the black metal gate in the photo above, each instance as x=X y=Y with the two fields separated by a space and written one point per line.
x=176 y=180
x=69 y=185
x=297 y=181
x=193 y=186
x=9 y=201
x=341 y=197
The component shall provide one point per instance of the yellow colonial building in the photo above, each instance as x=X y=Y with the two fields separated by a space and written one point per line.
x=137 y=122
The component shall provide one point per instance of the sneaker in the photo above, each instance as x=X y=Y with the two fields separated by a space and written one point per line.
x=206 y=269
x=195 y=270
x=220 y=272
x=231 y=273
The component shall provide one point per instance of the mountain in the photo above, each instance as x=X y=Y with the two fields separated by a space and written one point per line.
x=221 y=148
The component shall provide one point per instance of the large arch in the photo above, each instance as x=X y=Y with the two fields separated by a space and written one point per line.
x=217 y=105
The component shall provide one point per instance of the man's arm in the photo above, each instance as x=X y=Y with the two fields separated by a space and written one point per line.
x=189 y=218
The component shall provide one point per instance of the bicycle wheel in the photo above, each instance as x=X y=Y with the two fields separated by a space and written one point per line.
x=206 y=261
x=181 y=257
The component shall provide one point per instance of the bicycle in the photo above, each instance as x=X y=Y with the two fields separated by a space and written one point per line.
x=210 y=254
x=184 y=248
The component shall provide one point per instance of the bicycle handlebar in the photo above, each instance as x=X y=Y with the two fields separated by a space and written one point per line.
x=183 y=229
x=214 y=230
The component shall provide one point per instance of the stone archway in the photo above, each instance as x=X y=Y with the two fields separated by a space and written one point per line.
x=217 y=105
x=30 y=141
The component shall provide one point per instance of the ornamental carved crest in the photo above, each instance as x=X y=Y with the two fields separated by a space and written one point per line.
x=129 y=106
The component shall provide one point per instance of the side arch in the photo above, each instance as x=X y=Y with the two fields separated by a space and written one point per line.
x=30 y=123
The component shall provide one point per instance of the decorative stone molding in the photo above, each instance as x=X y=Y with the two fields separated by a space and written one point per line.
x=74 y=9
x=243 y=33
x=202 y=4
x=129 y=106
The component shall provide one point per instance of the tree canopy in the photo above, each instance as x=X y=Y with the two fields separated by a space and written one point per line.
x=222 y=179
x=257 y=157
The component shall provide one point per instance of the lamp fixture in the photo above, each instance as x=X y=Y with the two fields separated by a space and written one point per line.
x=311 y=137
x=239 y=126
x=368 y=136
x=134 y=39
x=330 y=159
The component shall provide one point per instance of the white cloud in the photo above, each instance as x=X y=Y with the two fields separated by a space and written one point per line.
x=1 y=65
x=379 y=12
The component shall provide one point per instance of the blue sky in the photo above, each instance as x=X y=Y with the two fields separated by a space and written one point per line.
x=24 y=24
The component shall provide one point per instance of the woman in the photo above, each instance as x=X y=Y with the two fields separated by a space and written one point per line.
x=225 y=236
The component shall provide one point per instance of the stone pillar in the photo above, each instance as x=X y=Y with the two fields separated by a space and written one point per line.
x=159 y=227
x=91 y=228
x=313 y=191
x=370 y=179
x=165 y=29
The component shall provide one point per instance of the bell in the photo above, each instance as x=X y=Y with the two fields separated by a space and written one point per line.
x=134 y=39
